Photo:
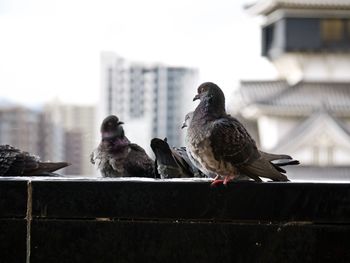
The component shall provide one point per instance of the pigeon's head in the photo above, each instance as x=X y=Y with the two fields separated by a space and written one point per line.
x=188 y=119
x=208 y=89
x=111 y=128
x=212 y=101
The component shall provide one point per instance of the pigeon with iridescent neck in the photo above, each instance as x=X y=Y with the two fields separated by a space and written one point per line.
x=116 y=156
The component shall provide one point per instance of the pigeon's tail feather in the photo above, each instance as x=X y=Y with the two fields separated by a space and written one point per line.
x=278 y=160
x=281 y=170
x=166 y=165
x=286 y=162
x=44 y=167
x=162 y=152
x=272 y=157
x=263 y=168
x=170 y=164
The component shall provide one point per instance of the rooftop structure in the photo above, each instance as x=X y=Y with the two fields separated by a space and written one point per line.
x=305 y=112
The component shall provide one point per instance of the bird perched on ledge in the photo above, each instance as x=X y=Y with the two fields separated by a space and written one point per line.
x=173 y=162
x=14 y=162
x=116 y=156
x=207 y=173
x=277 y=160
x=221 y=144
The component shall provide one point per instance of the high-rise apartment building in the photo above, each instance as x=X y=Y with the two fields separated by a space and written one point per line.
x=73 y=126
x=19 y=127
x=152 y=100
x=51 y=132
x=55 y=132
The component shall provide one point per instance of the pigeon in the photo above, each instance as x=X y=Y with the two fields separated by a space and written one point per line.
x=206 y=172
x=116 y=156
x=278 y=160
x=221 y=144
x=173 y=162
x=15 y=162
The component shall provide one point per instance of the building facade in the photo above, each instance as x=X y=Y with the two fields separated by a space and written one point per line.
x=56 y=132
x=20 y=127
x=74 y=127
x=306 y=111
x=152 y=100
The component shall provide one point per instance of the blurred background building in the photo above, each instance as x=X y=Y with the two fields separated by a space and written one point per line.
x=306 y=111
x=55 y=132
x=20 y=126
x=152 y=100
x=78 y=123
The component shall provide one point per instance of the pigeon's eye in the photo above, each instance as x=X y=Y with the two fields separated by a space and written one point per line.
x=203 y=89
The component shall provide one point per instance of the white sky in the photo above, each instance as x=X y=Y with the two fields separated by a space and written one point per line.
x=51 y=48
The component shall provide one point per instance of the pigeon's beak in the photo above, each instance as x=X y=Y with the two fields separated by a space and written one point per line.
x=120 y=123
x=196 y=97
x=184 y=125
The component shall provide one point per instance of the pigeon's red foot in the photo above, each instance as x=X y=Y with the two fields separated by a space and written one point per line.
x=216 y=182
x=228 y=179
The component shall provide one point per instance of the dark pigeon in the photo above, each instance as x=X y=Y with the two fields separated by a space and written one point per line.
x=116 y=156
x=206 y=172
x=277 y=160
x=14 y=162
x=173 y=162
x=220 y=143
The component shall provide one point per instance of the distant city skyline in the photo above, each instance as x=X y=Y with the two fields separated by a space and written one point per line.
x=50 y=49
x=53 y=133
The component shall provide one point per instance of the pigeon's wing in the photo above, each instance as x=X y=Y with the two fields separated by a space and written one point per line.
x=182 y=162
x=188 y=164
x=181 y=155
x=138 y=163
x=231 y=142
x=16 y=162
x=170 y=164
x=7 y=157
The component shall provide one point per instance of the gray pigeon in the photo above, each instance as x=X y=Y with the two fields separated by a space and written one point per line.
x=116 y=156
x=220 y=143
x=14 y=162
x=277 y=160
x=173 y=162
x=206 y=172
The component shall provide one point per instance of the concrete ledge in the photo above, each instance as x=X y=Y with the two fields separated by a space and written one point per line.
x=118 y=220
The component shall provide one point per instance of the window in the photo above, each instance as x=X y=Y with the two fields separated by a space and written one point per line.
x=332 y=30
x=323 y=155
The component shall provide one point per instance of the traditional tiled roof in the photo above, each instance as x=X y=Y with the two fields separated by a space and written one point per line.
x=267 y=6
x=300 y=99
x=304 y=132
x=253 y=91
x=333 y=96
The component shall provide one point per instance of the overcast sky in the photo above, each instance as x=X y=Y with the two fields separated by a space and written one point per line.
x=51 y=48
